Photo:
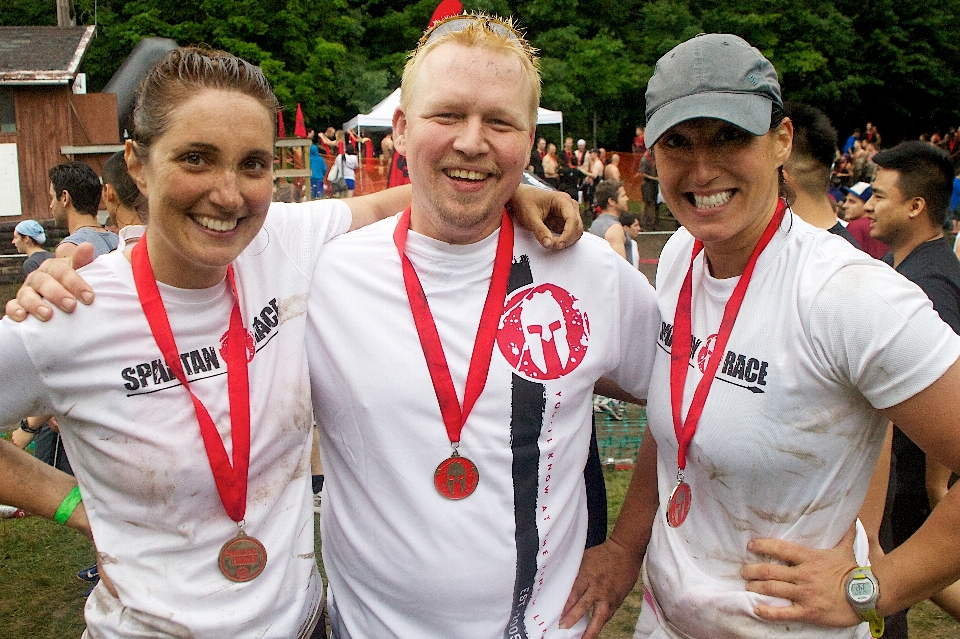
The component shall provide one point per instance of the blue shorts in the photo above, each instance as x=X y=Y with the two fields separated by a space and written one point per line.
x=350 y=184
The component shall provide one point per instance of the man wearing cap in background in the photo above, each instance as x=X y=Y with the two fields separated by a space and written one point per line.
x=29 y=237
x=857 y=224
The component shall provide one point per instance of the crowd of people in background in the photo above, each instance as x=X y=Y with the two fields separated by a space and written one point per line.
x=579 y=171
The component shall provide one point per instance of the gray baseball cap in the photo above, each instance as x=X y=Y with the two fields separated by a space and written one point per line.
x=714 y=75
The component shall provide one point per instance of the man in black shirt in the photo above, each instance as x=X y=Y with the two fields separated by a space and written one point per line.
x=911 y=197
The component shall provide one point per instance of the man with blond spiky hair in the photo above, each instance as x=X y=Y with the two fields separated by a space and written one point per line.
x=456 y=440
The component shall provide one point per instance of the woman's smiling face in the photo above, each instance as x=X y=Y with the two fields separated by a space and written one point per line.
x=209 y=180
x=720 y=181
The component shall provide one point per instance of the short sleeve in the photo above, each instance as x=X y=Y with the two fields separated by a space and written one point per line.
x=22 y=390
x=877 y=331
x=639 y=324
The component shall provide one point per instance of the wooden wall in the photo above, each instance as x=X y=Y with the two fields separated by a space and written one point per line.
x=44 y=124
x=48 y=118
x=94 y=119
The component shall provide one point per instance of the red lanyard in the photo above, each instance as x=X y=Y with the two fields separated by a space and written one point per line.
x=680 y=349
x=231 y=480
x=453 y=417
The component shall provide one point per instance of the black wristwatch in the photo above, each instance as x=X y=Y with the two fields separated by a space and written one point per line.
x=25 y=427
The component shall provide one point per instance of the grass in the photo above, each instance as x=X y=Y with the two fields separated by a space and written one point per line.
x=42 y=596
x=7 y=291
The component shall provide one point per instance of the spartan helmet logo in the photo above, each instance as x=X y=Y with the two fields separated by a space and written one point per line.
x=703 y=357
x=545 y=331
x=543 y=334
x=456 y=478
x=248 y=341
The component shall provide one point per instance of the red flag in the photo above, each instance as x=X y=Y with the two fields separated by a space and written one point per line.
x=299 y=129
x=281 y=130
x=445 y=9
x=398 y=170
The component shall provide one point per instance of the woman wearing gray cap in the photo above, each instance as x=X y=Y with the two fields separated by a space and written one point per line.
x=783 y=354
x=28 y=237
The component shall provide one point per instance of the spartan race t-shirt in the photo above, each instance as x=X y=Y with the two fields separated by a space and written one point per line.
x=133 y=439
x=402 y=560
x=789 y=434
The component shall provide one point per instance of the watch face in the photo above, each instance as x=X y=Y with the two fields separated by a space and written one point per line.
x=860 y=590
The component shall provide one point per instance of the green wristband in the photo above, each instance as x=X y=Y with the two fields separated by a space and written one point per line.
x=67 y=506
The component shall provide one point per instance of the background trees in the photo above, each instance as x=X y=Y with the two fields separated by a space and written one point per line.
x=886 y=61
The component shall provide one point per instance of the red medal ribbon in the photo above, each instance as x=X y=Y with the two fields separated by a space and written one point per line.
x=680 y=351
x=453 y=417
x=231 y=480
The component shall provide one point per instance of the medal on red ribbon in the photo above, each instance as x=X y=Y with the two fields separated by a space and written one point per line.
x=457 y=477
x=678 y=506
x=243 y=557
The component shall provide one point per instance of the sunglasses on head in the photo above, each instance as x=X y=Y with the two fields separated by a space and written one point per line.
x=498 y=26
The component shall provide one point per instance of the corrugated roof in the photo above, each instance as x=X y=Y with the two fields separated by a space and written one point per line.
x=42 y=55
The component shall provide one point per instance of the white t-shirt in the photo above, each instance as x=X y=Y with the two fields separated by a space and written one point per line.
x=134 y=442
x=129 y=236
x=789 y=435
x=402 y=560
x=634 y=253
x=348 y=165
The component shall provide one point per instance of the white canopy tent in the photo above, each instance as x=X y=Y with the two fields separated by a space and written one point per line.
x=381 y=116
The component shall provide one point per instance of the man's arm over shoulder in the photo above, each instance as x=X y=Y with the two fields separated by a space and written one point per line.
x=367 y=209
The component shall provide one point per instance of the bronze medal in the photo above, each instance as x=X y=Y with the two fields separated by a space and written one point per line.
x=456 y=477
x=242 y=558
x=679 y=505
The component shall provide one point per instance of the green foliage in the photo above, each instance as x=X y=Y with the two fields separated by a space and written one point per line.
x=886 y=61
x=28 y=12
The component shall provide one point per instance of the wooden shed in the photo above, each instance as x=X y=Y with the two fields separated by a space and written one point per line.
x=43 y=122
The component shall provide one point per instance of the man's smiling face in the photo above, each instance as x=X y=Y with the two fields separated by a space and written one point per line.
x=466 y=148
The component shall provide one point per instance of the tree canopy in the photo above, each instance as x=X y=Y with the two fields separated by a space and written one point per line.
x=887 y=62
